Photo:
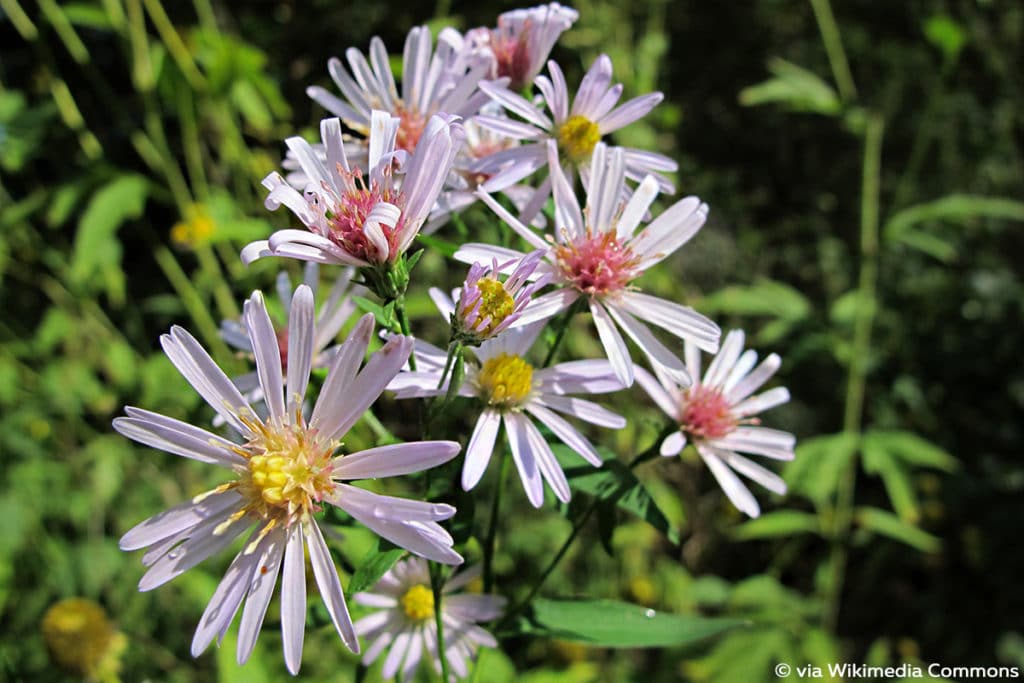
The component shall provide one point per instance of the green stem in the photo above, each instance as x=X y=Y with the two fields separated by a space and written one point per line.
x=221 y=291
x=578 y=525
x=437 y=583
x=563 y=327
x=834 y=49
x=192 y=300
x=858 y=369
x=403 y=325
x=492 y=524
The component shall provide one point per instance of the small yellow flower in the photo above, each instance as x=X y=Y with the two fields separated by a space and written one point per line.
x=197 y=227
x=82 y=641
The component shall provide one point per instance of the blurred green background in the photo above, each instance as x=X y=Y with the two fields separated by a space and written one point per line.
x=133 y=136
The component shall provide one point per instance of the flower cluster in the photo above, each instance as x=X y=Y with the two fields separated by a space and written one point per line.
x=390 y=165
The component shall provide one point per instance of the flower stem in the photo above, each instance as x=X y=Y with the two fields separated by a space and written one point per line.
x=834 y=48
x=492 y=524
x=577 y=527
x=563 y=327
x=860 y=351
x=437 y=584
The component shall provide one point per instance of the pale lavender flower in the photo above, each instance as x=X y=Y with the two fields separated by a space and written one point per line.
x=595 y=254
x=517 y=48
x=717 y=414
x=354 y=216
x=433 y=82
x=284 y=469
x=406 y=624
x=510 y=389
x=329 y=320
x=486 y=305
x=575 y=131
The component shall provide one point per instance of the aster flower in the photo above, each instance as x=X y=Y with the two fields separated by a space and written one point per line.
x=595 y=254
x=433 y=82
x=512 y=391
x=329 y=321
x=575 y=131
x=517 y=48
x=474 y=164
x=284 y=469
x=487 y=306
x=354 y=216
x=717 y=414
x=406 y=620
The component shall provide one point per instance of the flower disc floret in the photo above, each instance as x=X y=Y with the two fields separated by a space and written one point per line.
x=289 y=471
x=495 y=302
x=346 y=219
x=597 y=263
x=506 y=380
x=706 y=413
x=577 y=138
x=418 y=603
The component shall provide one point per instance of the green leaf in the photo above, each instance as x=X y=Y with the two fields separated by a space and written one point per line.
x=819 y=463
x=764 y=297
x=956 y=207
x=879 y=460
x=795 y=88
x=778 y=524
x=375 y=564
x=615 y=484
x=96 y=246
x=608 y=623
x=946 y=34
x=912 y=449
x=891 y=526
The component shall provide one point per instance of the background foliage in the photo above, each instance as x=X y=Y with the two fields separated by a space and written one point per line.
x=120 y=120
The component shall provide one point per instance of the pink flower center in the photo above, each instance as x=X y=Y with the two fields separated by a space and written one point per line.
x=597 y=264
x=347 y=219
x=512 y=53
x=706 y=413
x=410 y=128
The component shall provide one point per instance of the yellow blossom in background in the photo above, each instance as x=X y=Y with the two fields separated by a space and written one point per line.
x=82 y=641
x=197 y=227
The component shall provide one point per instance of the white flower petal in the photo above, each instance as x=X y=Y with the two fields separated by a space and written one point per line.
x=668 y=403
x=673 y=444
x=752 y=382
x=681 y=321
x=735 y=489
x=656 y=352
x=293 y=601
x=614 y=345
x=524 y=458
x=337 y=388
x=196 y=366
x=762 y=402
x=326 y=575
x=516 y=104
x=547 y=306
x=176 y=437
x=267 y=353
x=546 y=462
x=481 y=446
x=201 y=544
x=300 y=344
x=566 y=432
x=578 y=377
x=588 y=411
x=394 y=460
x=269 y=555
x=224 y=603
x=179 y=518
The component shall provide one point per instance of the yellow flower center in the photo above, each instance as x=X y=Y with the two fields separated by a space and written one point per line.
x=495 y=301
x=418 y=602
x=289 y=470
x=577 y=137
x=506 y=380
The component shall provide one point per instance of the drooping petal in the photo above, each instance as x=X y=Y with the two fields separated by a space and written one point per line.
x=269 y=555
x=524 y=458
